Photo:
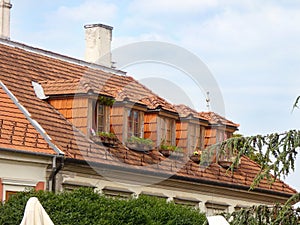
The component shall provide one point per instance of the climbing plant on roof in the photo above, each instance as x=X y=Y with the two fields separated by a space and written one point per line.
x=106 y=100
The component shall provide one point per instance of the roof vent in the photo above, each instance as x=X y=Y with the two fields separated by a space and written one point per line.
x=39 y=91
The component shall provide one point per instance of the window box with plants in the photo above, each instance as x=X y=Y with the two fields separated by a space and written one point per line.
x=106 y=138
x=139 y=144
x=227 y=157
x=172 y=150
x=196 y=157
x=226 y=162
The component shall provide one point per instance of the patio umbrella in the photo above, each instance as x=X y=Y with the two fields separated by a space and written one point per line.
x=217 y=220
x=35 y=214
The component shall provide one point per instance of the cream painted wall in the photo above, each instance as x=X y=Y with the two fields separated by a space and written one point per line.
x=19 y=171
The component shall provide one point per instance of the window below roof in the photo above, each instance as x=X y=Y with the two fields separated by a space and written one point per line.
x=187 y=201
x=223 y=135
x=9 y=194
x=196 y=138
x=166 y=130
x=135 y=123
x=154 y=194
x=72 y=185
x=118 y=192
x=214 y=208
x=100 y=117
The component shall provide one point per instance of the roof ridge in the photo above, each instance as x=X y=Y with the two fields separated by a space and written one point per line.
x=62 y=57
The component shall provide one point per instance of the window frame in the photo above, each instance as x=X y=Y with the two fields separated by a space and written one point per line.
x=195 y=137
x=9 y=193
x=105 y=117
x=214 y=208
x=166 y=130
x=134 y=126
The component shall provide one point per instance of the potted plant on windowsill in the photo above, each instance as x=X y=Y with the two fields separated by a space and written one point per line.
x=139 y=144
x=106 y=138
x=168 y=150
x=226 y=162
x=196 y=157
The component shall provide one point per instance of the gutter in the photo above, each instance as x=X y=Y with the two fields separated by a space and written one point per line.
x=177 y=177
x=235 y=186
x=26 y=152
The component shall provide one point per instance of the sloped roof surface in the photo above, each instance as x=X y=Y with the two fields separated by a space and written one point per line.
x=118 y=87
x=215 y=118
x=185 y=111
x=16 y=132
x=19 y=67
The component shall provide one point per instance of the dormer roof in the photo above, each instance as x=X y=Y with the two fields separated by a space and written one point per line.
x=216 y=119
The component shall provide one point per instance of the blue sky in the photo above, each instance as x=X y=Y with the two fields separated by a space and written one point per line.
x=251 y=47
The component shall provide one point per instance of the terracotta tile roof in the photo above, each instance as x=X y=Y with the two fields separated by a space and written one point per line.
x=120 y=88
x=19 y=67
x=185 y=111
x=16 y=132
x=214 y=118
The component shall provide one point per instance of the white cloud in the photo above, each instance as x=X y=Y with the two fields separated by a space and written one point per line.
x=171 y=6
x=147 y=36
x=91 y=10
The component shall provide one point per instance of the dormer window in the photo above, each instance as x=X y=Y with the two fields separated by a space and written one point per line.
x=222 y=135
x=167 y=130
x=135 y=123
x=100 y=117
x=196 y=136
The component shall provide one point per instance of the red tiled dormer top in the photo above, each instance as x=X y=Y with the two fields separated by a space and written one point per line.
x=19 y=67
x=121 y=89
x=185 y=111
x=214 y=118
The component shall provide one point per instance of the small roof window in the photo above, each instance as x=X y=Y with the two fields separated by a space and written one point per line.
x=39 y=91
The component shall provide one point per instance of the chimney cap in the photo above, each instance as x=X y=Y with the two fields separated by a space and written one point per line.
x=98 y=25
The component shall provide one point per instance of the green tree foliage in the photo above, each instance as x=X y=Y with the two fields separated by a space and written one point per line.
x=267 y=215
x=276 y=153
x=85 y=207
x=296 y=102
x=255 y=156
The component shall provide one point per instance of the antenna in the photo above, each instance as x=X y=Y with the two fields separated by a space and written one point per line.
x=207 y=101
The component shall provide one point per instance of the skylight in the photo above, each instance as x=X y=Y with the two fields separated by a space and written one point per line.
x=39 y=91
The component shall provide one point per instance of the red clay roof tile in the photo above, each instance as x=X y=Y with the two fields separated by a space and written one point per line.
x=16 y=132
x=214 y=118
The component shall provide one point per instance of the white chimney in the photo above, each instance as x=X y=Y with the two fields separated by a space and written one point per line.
x=98 y=44
x=5 y=7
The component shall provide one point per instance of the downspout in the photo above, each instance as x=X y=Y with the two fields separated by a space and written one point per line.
x=54 y=171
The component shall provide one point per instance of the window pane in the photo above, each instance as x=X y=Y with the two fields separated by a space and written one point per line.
x=130 y=125
x=101 y=117
x=134 y=126
x=166 y=130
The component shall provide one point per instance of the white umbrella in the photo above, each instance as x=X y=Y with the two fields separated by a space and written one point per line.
x=35 y=214
x=217 y=220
